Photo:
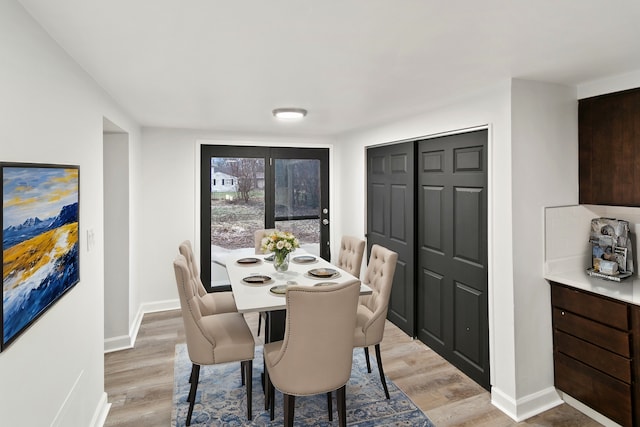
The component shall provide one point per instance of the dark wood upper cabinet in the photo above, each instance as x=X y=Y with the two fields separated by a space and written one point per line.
x=609 y=149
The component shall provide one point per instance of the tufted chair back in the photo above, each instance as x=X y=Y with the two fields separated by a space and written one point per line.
x=317 y=351
x=350 y=255
x=186 y=250
x=199 y=344
x=209 y=303
x=372 y=311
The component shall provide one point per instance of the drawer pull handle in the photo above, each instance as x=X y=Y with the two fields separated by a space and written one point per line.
x=562 y=312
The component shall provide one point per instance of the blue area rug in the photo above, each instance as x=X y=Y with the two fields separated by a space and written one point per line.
x=221 y=398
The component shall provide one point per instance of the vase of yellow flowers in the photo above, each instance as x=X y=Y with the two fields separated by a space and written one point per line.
x=281 y=243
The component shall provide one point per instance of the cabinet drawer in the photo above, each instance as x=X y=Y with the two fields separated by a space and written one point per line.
x=604 y=394
x=593 y=332
x=598 y=308
x=610 y=363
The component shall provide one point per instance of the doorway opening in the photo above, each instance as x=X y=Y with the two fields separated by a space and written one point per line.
x=116 y=236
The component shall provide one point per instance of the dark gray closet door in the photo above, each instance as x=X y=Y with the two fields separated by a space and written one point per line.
x=390 y=222
x=452 y=311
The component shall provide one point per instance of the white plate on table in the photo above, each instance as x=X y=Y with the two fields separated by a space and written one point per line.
x=322 y=273
x=304 y=259
x=257 y=279
x=248 y=261
x=279 y=290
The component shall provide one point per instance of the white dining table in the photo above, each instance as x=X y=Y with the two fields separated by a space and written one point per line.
x=257 y=297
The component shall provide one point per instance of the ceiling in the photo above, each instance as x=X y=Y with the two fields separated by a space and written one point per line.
x=225 y=65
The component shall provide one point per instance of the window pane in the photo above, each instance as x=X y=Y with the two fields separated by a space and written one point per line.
x=237 y=201
x=297 y=187
x=297 y=195
x=307 y=231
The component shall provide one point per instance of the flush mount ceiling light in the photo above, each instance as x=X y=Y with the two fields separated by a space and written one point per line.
x=289 y=113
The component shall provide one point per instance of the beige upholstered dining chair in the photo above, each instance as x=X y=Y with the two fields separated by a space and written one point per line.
x=213 y=339
x=316 y=353
x=210 y=303
x=350 y=255
x=372 y=309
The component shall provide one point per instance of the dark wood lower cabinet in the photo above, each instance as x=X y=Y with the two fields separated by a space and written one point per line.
x=596 y=352
x=599 y=391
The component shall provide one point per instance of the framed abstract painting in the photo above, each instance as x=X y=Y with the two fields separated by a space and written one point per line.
x=40 y=241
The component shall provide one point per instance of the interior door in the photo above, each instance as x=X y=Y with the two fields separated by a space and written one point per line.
x=390 y=222
x=452 y=229
x=245 y=188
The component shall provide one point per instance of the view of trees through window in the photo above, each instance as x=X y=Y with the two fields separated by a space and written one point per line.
x=238 y=199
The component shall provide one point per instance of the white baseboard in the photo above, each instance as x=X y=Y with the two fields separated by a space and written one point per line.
x=100 y=416
x=124 y=342
x=67 y=416
x=152 y=307
x=525 y=407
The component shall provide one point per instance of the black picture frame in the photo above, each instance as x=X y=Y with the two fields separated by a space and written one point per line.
x=40 y=241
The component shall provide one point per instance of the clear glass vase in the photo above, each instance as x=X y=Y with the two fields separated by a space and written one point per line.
x=281 y=261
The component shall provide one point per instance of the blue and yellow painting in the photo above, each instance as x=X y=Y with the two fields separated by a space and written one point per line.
x=39 y=241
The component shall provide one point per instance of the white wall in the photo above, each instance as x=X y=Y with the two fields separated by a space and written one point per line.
x=521 y=372
x=52 y=112
x=170 y=201
x=116 y=237
x=544 y=125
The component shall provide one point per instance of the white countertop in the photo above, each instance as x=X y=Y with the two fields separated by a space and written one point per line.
x=252 y=297
x=628 y=290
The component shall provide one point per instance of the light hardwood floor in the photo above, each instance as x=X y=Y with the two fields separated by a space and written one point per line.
x=139 y=381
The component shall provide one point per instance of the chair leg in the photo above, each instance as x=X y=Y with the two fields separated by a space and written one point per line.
x=379 y=360
x=193 y=368
x=195 y=377
x=269 y=395
x=242 y=373
x=272 y=401
x=289 y=405
x=330 y=406
x=259 y=322
x=341 y=397
x=266 y=389
x=366 y=356
x=248 y=373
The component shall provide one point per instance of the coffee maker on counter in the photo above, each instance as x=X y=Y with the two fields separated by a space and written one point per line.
x=611 y=249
